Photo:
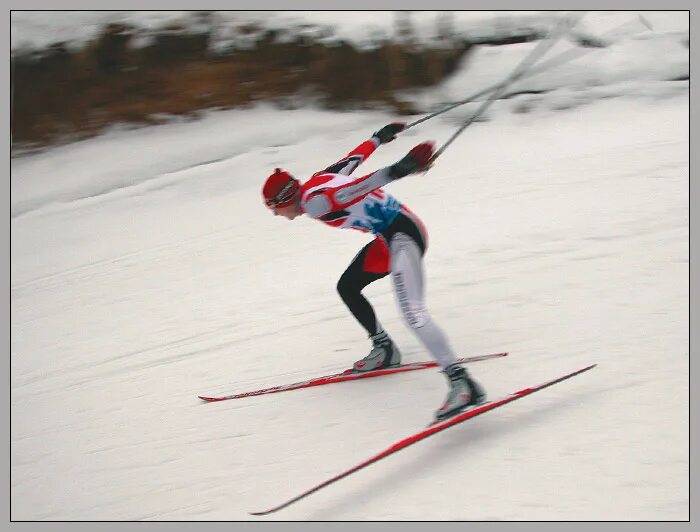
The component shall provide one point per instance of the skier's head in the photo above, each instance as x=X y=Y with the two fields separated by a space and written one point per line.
x=281 y=193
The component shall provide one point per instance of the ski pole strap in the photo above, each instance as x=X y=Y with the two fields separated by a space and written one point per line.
x=542 y=47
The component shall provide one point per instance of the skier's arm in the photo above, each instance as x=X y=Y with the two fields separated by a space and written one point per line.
x=334 y=199
x=352 y=160
x=324 y=201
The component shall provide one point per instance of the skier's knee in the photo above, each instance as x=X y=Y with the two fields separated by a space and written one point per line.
x=346 y=288
x=415 y=316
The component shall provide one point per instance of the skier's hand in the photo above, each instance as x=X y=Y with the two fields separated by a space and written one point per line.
x=422 y=153
x=388 y=132
x=417 y=160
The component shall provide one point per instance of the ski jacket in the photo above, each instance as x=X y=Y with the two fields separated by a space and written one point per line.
x=339 y=200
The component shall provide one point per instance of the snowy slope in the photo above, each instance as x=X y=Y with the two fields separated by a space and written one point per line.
x=145 y=271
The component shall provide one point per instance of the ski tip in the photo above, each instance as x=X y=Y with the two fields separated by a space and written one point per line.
x=209 y=399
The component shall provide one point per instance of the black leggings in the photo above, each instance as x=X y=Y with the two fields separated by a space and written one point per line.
x=350 y=286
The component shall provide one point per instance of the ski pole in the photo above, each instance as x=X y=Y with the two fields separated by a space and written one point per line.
x=557 y=60
x=560 y=30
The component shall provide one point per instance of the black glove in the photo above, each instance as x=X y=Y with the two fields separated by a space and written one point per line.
x=417 y=159
x=388 y=133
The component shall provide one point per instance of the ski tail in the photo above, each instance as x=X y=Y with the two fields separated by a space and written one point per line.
x=434 y=429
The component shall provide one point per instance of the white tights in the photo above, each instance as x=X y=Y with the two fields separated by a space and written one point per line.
x=409 y=289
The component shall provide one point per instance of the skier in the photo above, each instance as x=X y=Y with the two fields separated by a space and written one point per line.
x=338 y=200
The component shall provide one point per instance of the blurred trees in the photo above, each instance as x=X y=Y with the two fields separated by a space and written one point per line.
x=62 y=93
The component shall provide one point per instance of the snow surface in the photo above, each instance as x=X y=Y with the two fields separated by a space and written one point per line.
x=146 y=271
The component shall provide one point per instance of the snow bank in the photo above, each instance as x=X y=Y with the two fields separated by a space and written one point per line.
x=639 y=65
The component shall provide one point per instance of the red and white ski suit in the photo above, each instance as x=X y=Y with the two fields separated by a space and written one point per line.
x=339 y=200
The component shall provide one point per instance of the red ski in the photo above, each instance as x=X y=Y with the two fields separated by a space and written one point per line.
x=442 y=425
x=346 y=375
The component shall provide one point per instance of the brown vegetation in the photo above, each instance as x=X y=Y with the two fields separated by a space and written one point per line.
x=60 y=93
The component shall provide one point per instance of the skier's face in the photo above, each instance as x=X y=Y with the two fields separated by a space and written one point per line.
x=289 y=212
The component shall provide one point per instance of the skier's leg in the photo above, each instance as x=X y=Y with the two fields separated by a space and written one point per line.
x=351 y=283
x=408 y=277
x=409 y=288
x=369 y=265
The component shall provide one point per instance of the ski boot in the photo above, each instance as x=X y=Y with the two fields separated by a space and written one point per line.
x=384 y=354
x=464 y=392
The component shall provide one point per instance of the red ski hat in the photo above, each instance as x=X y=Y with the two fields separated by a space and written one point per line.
x=280 y=189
